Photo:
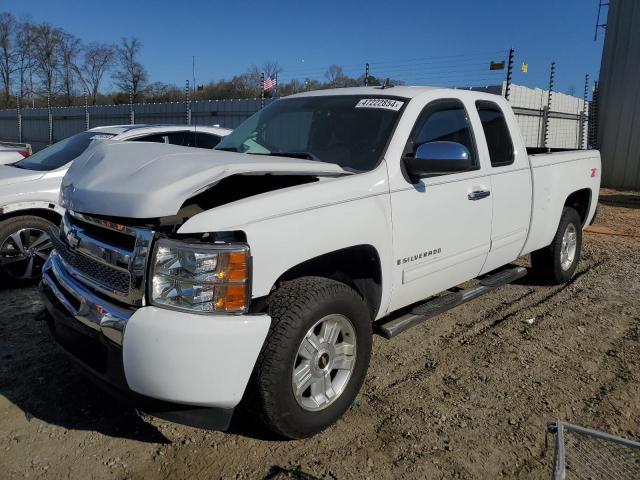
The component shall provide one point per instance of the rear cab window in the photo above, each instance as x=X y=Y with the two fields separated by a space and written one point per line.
x=496 y=133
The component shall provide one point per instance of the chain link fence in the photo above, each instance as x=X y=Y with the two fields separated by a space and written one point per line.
x=585 y=454
x=561 y=122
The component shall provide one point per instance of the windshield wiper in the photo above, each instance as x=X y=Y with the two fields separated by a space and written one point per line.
x=228 y=149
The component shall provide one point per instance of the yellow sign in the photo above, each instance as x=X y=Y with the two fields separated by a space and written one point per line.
x=524 y=68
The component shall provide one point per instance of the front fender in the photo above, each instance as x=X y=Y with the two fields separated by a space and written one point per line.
x=287 y=227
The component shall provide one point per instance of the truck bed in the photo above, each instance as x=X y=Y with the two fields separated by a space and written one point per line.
x=556 y=176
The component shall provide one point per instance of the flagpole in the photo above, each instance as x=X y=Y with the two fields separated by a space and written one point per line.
x=276 y=88
x=262 y=90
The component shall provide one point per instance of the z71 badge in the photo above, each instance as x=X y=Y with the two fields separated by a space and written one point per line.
x=413 y=258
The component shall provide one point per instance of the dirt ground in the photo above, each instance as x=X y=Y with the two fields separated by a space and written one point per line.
x=465 y=395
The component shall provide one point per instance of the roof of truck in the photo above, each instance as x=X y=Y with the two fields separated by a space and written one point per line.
x=402 y=91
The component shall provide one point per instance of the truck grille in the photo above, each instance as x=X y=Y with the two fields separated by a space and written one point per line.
x=103 y=275
x=107 y=257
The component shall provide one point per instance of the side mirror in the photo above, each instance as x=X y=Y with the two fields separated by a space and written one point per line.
x=437 y=158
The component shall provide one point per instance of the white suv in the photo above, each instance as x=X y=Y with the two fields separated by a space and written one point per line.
x=29 y=189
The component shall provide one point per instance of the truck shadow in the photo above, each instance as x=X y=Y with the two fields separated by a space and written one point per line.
x=38 y=378
x=630 y=200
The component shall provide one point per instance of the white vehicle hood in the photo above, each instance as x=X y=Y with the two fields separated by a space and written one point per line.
x=10 y=175
x=144 y=180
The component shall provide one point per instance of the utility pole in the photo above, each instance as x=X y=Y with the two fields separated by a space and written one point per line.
x=507 y=90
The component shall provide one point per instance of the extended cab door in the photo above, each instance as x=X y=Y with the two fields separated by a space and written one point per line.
x=441 y=224
x=500 y=141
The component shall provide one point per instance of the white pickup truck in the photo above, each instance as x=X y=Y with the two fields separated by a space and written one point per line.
x=258 y=272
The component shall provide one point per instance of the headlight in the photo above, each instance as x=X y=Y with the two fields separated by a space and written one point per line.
x=200 y=277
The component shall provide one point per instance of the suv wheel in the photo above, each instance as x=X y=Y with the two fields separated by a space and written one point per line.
x=315 y=357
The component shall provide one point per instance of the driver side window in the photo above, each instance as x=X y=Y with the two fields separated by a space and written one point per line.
x=444 y=120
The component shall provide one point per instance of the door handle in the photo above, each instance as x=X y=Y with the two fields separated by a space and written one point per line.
x=478 y=194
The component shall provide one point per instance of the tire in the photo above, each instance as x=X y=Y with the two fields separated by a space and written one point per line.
x=557 y=263
x=295 y=308
x=24 y=247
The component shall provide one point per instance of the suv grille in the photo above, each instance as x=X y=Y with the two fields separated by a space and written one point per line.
x=104 y=275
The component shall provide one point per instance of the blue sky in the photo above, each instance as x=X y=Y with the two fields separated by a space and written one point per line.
x=419 y=41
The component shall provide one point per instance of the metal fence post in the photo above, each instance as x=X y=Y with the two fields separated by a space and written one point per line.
x=547 y=112
x=19 y=118
x=262 y=90
x=132 y=114
x=187 y=102
x=507 y=90
x=366 y=75
x=583 y=114
x=593 y=118
x=50 y=117
x=86 y=111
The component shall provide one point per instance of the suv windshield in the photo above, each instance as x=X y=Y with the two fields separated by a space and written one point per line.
x=61 y=153
x=350 y=131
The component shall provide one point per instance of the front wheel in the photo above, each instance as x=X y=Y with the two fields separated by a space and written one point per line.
x=315 y=357
x=557 y=263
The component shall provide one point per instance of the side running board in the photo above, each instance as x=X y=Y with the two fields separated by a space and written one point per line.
x=441 y=304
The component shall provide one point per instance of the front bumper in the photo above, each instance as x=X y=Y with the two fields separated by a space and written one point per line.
x=150 y=353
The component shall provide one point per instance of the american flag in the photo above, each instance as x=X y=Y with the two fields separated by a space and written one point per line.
x=268 y=84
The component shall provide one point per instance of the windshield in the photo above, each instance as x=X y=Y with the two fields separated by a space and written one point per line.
x=350 y=131
x=61 y=153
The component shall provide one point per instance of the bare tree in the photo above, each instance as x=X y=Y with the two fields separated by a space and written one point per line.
x=271 y=68
x=25 y=58
x=70 y=48
x=46 y=54
x=8 y=28
x=98 y=58
x=335 y=75
x=131 y=75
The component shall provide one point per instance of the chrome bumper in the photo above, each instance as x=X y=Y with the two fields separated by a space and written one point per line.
x=84 y=305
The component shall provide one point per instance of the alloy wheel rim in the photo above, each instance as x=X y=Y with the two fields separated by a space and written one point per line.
x=324 y=362
x=23 y=253
x=569 y=246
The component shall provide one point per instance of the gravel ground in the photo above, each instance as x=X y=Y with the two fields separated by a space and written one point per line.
x=465 y=395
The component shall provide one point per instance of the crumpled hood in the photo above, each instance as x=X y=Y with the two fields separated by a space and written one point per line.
x=143 y=180
x=10 y=175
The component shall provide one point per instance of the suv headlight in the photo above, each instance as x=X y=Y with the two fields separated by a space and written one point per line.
x=198 y=277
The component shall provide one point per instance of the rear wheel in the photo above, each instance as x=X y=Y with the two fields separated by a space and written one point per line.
x=557 y=263
x=315 y=357
x=25 y=245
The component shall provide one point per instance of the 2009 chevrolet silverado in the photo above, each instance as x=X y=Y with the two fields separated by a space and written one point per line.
x=258 y=272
